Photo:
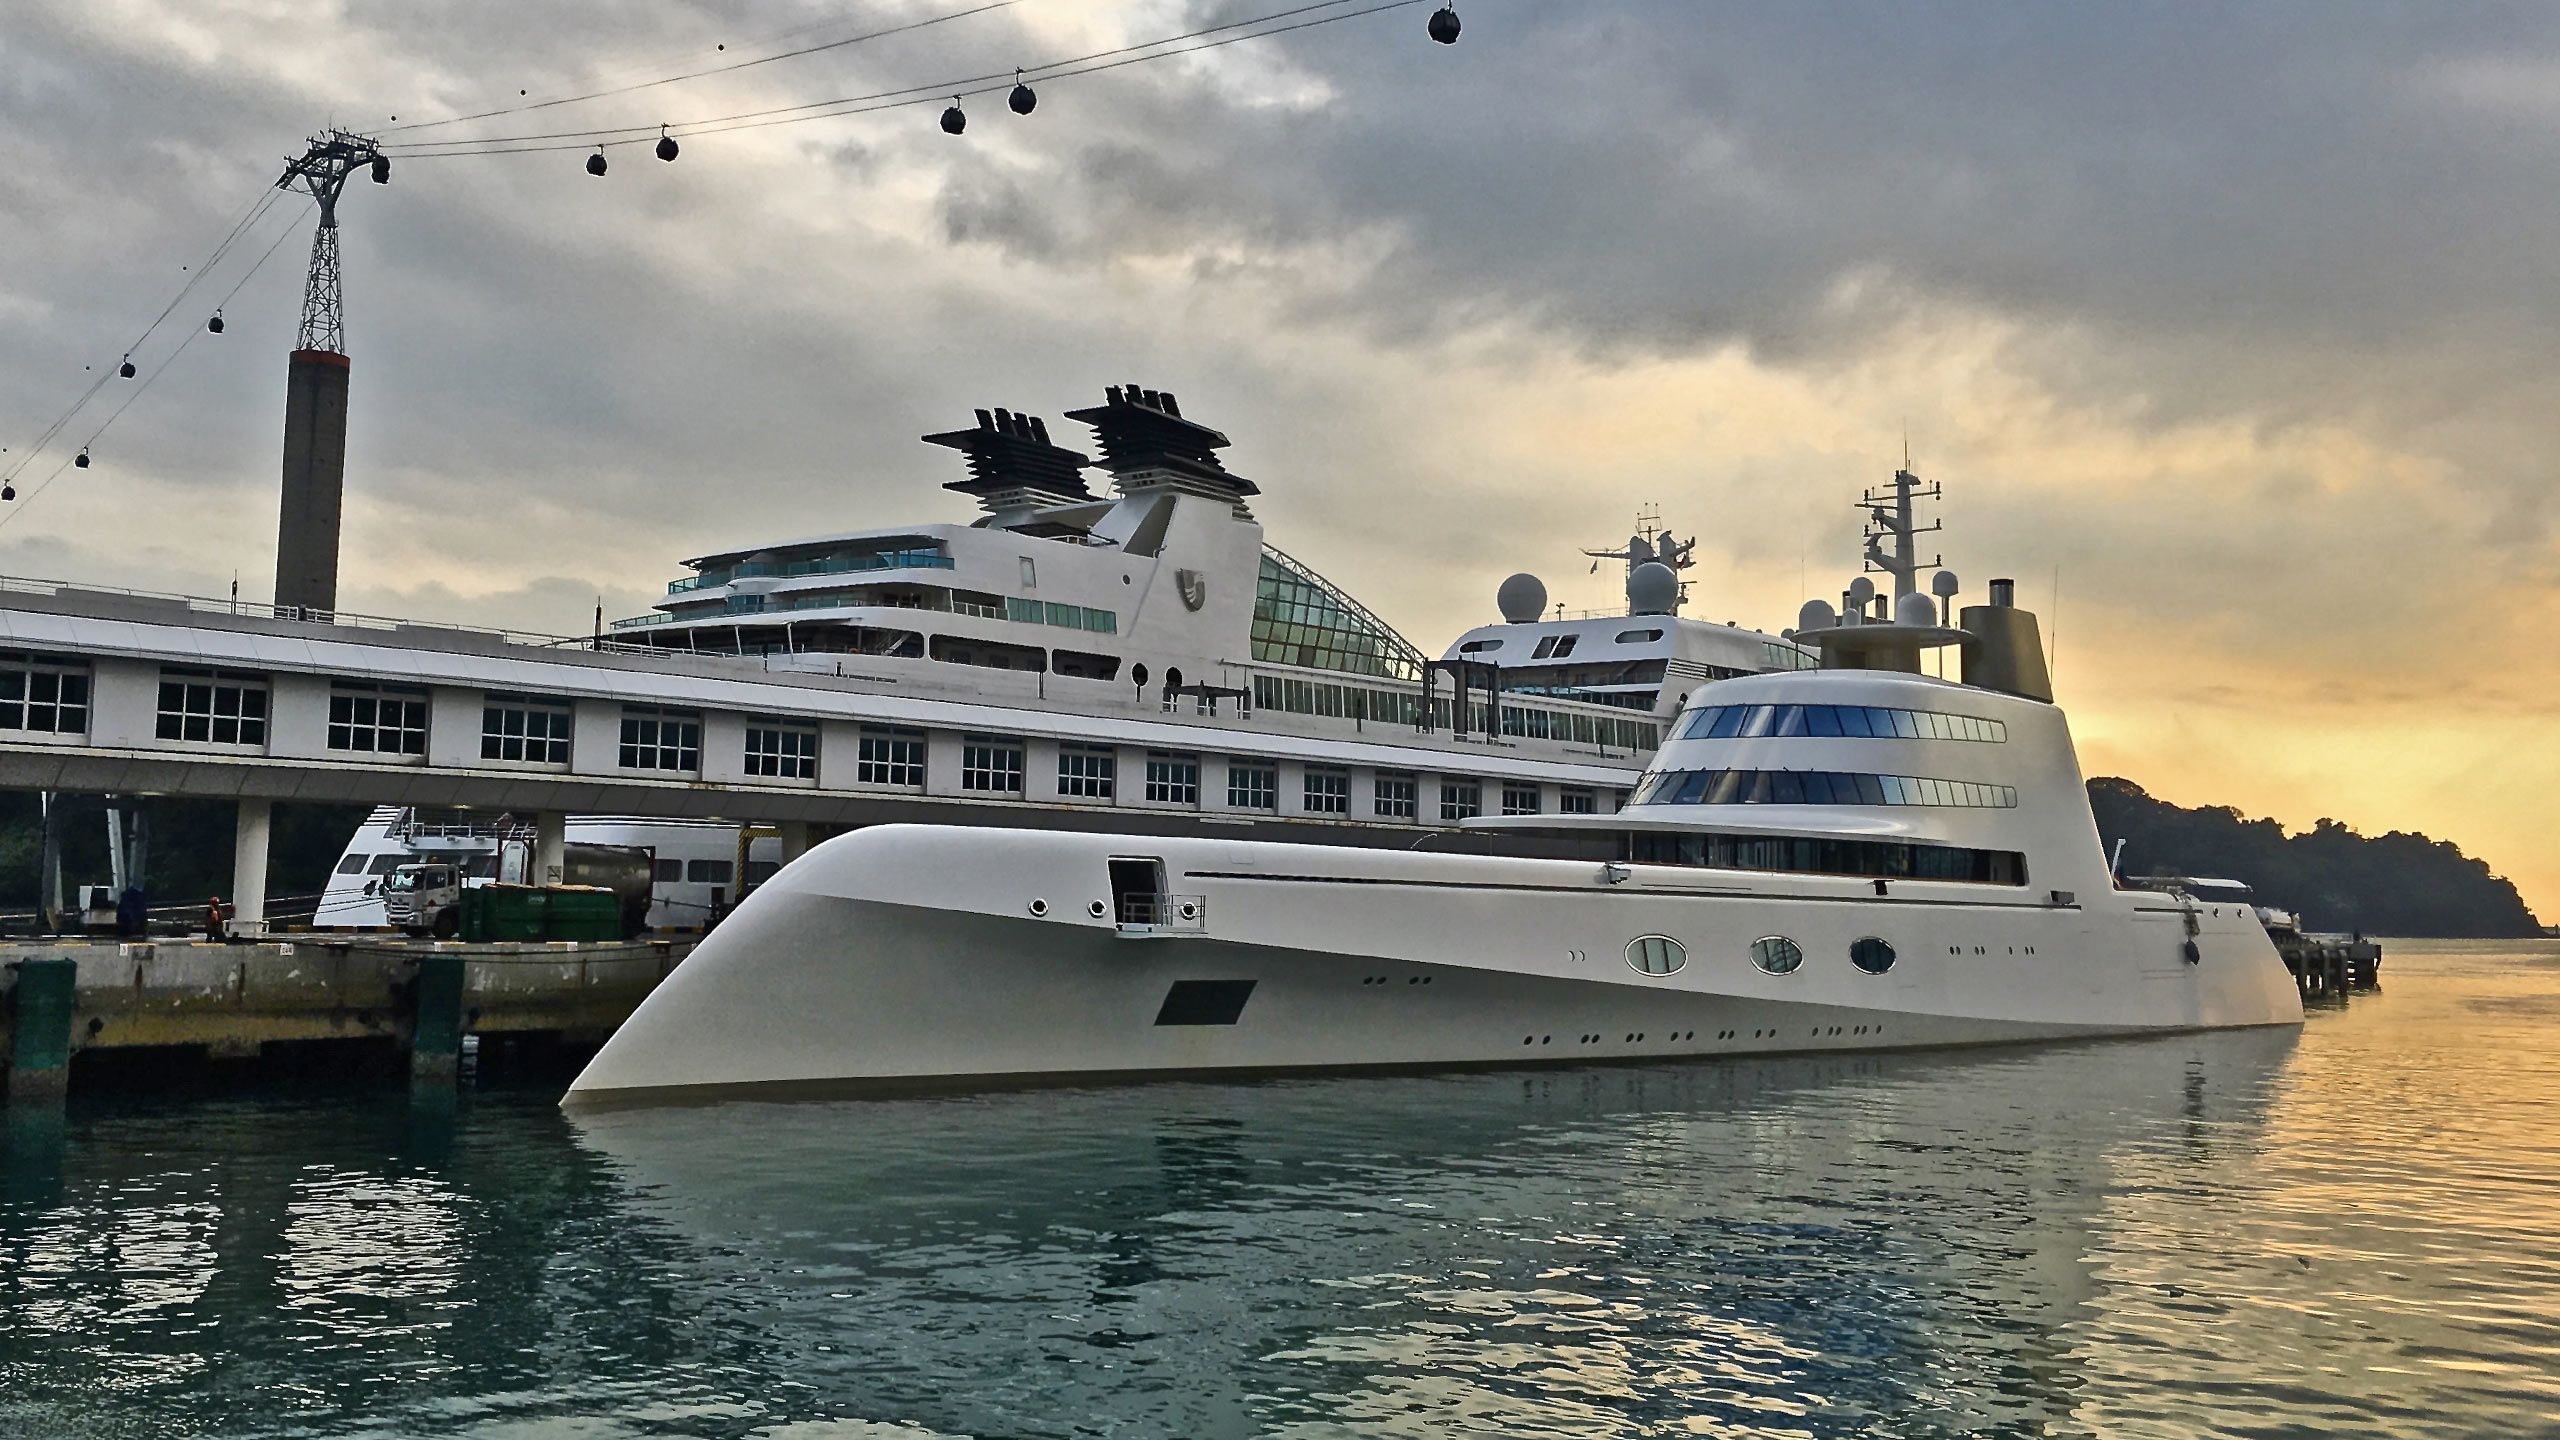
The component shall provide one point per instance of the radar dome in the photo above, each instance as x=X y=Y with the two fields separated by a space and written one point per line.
x=1652 y=589
x=1816 y=615
x=1523 y=598
x=1943 y=584
x=1861 y=590
x=1915 y=609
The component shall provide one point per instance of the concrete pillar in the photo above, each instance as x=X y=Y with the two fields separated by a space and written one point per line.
x=249 y=866
x=315 y=480
x=435 y=1031
x=795 y=839
x=40 y=1043
x=550 y=848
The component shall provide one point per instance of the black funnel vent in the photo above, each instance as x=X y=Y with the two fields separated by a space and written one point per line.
x=1139 y=430
x=1009 y=451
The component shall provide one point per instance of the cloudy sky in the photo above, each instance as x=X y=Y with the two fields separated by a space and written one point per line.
x=2230 y=330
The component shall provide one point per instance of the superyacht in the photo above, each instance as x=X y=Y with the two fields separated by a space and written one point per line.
x=1856 y=856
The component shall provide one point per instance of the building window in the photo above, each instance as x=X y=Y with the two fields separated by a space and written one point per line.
x=1253 y=787
x=1328 y=792
x=1173 y=779
x=515 y=727
x=1086 y=773
x=377 y=719
x=991 y=764
x=1461 y=799
x=1656 y=954
x=1520 y=800
x=666 y=872
x=1393 y=797
x=48 y=697
x=709 y=872
x=1577 y=802
x=781 y=750
x=890 y=757
x=655 y=739
x=213 y=707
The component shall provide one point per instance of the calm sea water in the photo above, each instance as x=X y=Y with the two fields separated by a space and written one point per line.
x=2354 y=1229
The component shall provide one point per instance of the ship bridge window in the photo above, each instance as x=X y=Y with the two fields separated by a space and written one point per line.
x=1818 y=787
x=385 y=864
x=1787 y=657
x=1301 y=618
x=352 y=865
x=1752 y=722
x=1891 y=859
x=1554 y=647
x=43 y=695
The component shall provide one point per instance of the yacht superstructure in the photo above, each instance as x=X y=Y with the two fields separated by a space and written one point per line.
x=1854 y=856
x=1138 y=660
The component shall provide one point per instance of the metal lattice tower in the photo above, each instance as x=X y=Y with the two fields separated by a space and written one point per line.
x=323 y=170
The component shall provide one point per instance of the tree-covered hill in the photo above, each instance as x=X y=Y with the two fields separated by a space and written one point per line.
x=2395 y=884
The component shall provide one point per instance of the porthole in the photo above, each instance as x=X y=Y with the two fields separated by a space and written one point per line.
x=1871 y=955
x=1097 y=909
x=1039 y=908
x=1656 y=954
x=1776 y=954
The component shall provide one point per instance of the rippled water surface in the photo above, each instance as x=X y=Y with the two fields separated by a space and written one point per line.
x=2354 y=1230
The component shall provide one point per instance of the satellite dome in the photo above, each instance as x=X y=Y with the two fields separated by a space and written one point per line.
x=1943 y=584
x=1861 y=590
x=1523 y=598
x=1915 y=609
x=1816 y=615
x=1652 y=589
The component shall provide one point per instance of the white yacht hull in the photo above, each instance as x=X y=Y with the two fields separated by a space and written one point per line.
x=909 y=956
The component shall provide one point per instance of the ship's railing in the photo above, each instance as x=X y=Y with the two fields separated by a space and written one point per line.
x=1160 y=914
x=824 y=565
x=349 y=619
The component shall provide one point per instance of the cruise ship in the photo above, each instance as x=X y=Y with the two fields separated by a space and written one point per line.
x=1141 y=660
x=1855 y=856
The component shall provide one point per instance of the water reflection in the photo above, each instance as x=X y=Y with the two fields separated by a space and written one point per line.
x=2240 y=1234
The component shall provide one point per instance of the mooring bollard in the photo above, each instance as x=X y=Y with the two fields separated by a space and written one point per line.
x=40 y=1057
x=435 y=1032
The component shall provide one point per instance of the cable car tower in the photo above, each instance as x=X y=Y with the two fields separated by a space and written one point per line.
x=315 y=397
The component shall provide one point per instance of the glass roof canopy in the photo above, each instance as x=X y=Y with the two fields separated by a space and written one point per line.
x=1301 y=618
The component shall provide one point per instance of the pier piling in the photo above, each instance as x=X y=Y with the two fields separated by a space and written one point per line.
x=435 y=1031
x=40 y=1050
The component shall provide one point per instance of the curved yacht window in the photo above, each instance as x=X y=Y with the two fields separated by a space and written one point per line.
x=1656 y=954
x=1776 y=954
x=1817 y=787
x=1638 y=637
x=1871 y=955
x=1859 y=722
x=1472 y=646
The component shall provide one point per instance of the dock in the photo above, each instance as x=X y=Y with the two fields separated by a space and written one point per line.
x=72 y=1005
x=2331 y=967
